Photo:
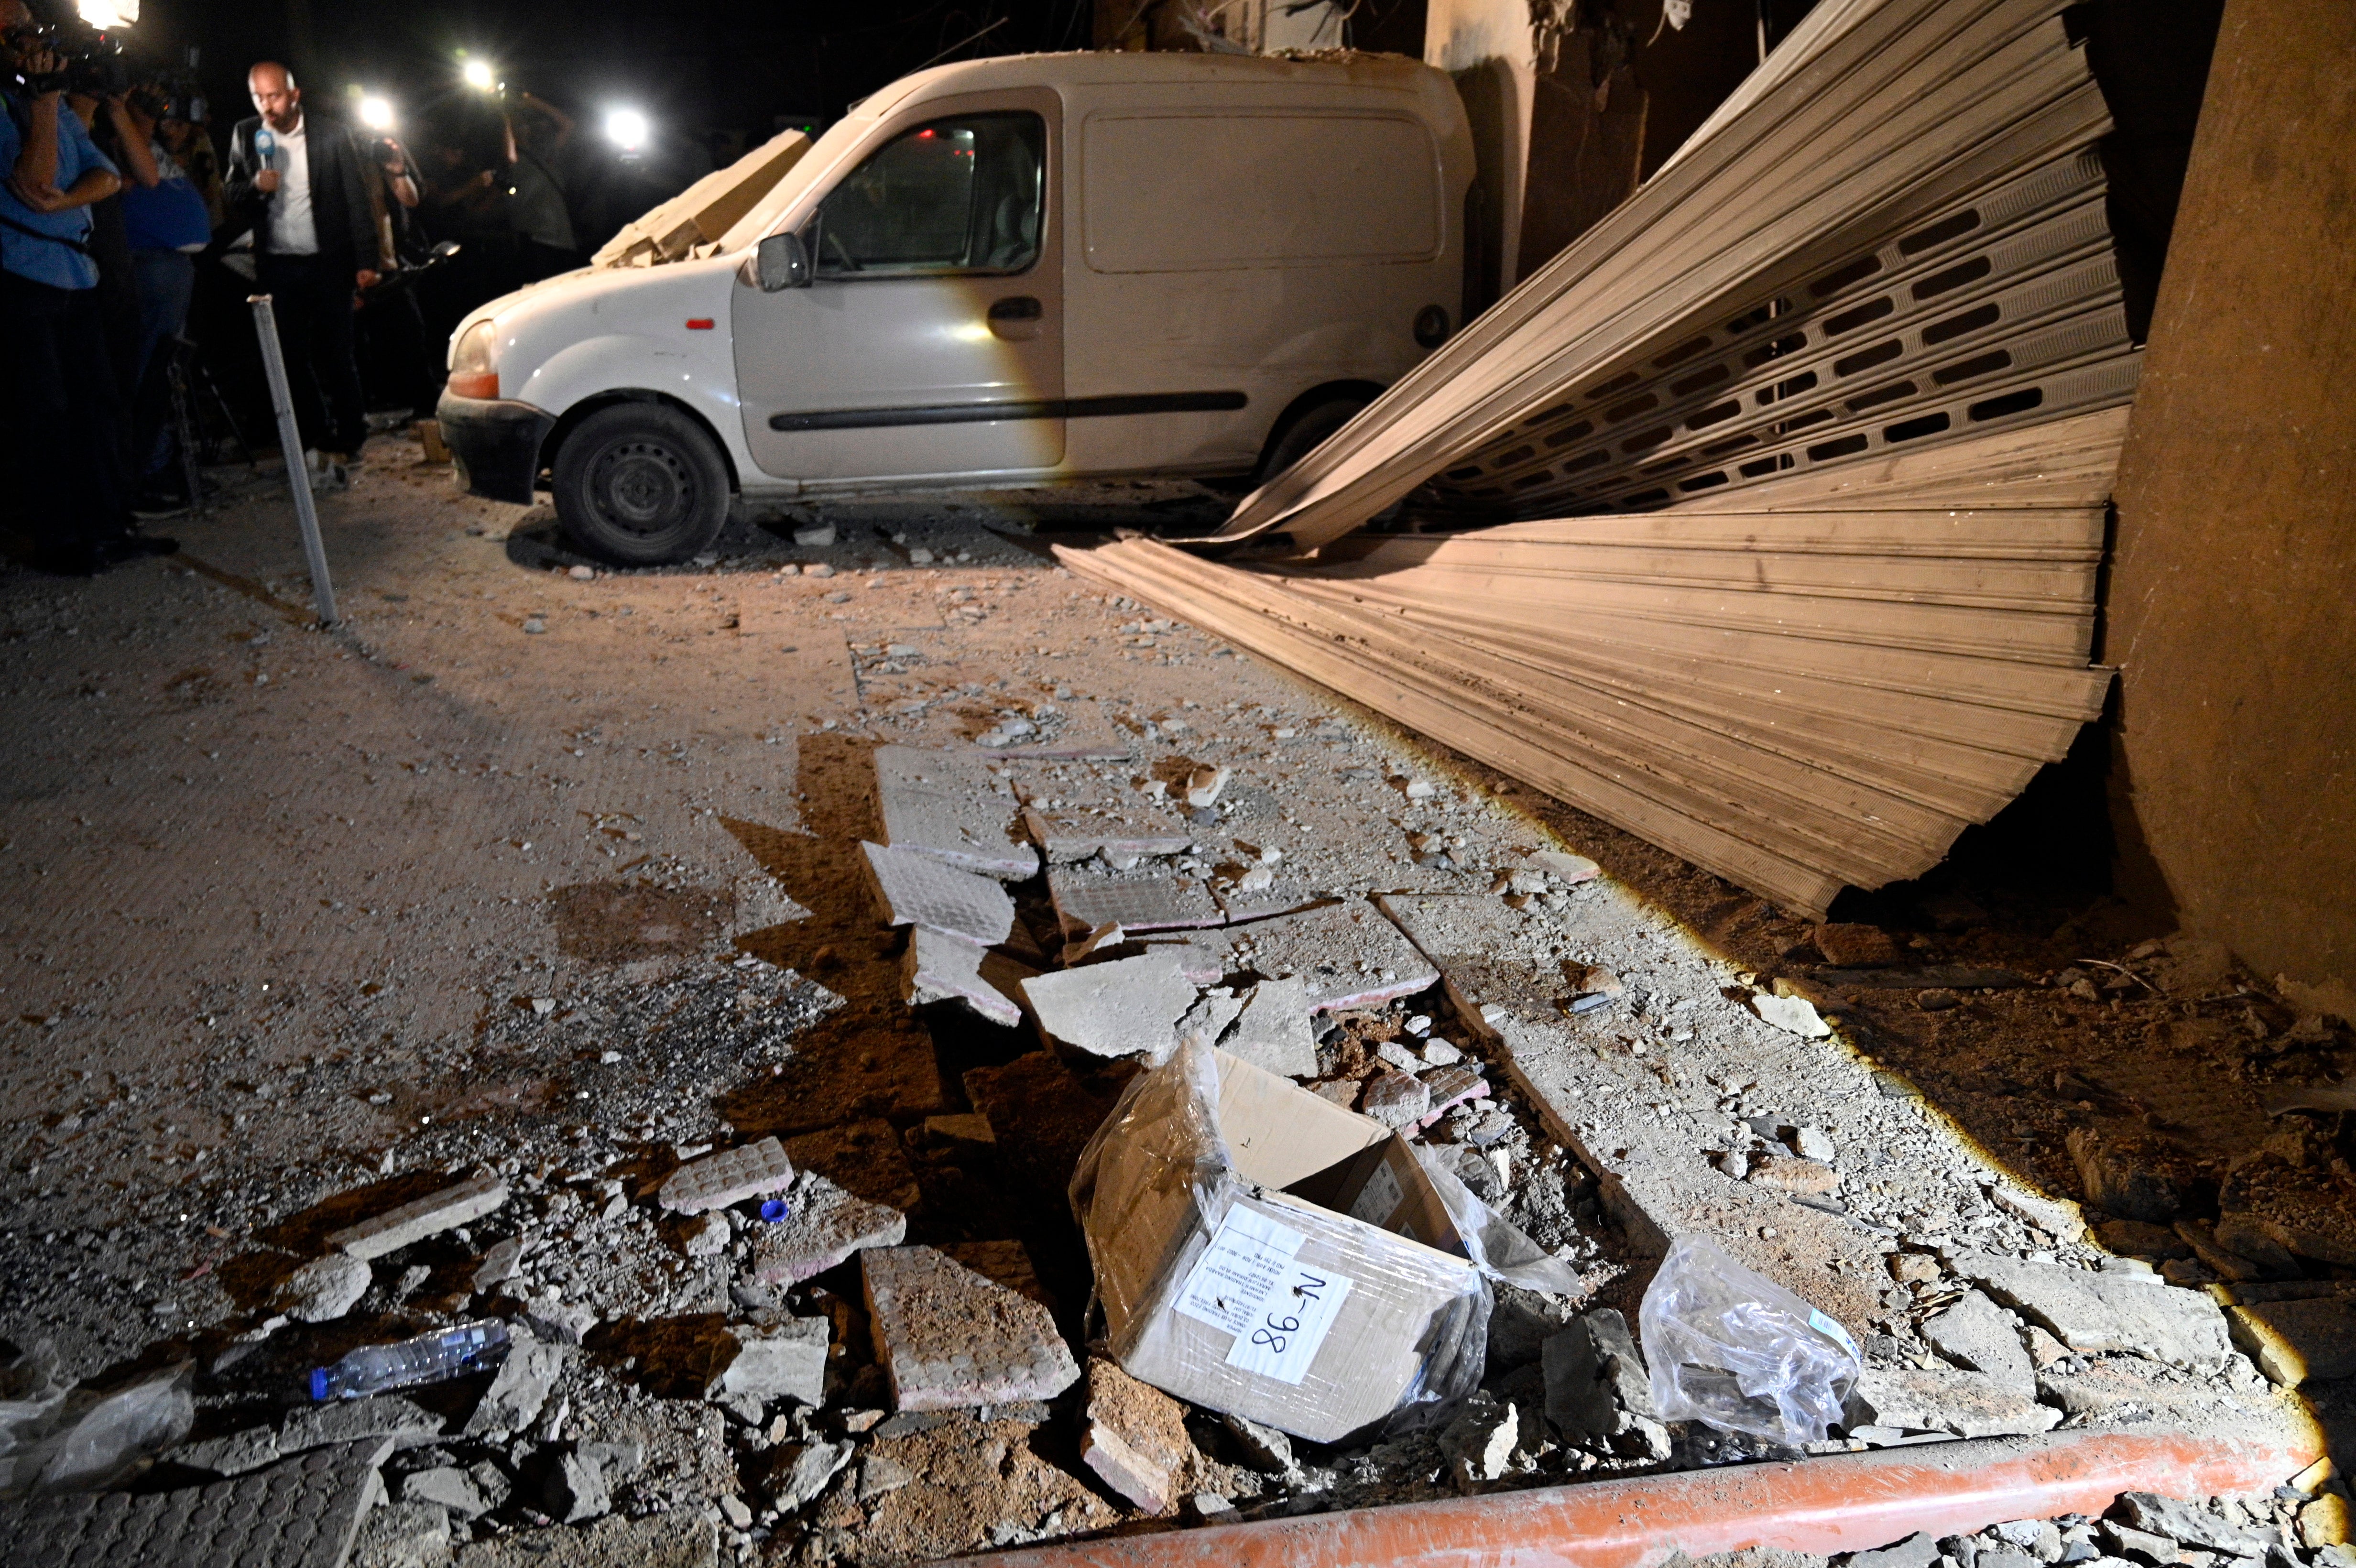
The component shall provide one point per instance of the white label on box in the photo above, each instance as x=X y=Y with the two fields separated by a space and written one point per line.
x=1248 y=1257
x=1379 y=1198
x=1291 y=1323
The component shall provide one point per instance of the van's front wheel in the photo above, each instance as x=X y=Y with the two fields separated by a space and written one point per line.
x=640 y=485
x=1308 y=430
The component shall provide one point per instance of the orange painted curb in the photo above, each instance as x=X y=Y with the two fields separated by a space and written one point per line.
x=1843 y=1502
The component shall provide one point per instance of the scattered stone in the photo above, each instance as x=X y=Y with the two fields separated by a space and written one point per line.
x=2124 y=1175
x=2093 y=1312
x=1129 y=1007
x=2040 y=1538
x=731 y=1175
x=512 y=1402
x=1272 y=1030
x=2188 y=1523
x=1915 y=1268
x=1789 y=1173
x=2139 y=1544
x=446 y=1488
x=1479 y=1444
x=1793 y=1015
x=814 y=535
x=558 y=1322
x=1858 y=946
x=430 y=1216
x=1204 y=784
x=938 y=968
x=1266 y=1448
x=324 y=1289
x=1135 y=1439
x=879 y=1474
x=402 y=1535
x=1914 y=1551
x=1452 y=1087
x=2293 y=1341
x=496 y=1265
x=1810 y=1143
x=1596 y=1386
x=910 y=888
x=681 y=1538
x=1396 y=1099
x=823 y=1227
x=950 y=1339
x=576 y=1491
x=384 y=1415
x=1978 y=1333
x=799 y=1474
x=708 y=1237
x=778 y=1360
x=2324 y=1522
x=1970 y=1405
x=1566 y=869
x=1441 y=1053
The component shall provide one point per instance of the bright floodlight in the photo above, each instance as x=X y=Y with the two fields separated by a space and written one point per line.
x=376 y=113
x=627 y=129
x=479 y=74
x=105 y=13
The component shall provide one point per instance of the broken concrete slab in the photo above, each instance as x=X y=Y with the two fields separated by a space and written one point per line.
x=1213 y=1014
x=2293 y=1341
x=1793 y=1015
x=777 y=1360
x=390 y=1416
x=312 y=1508
x=232 y=1454
x=910 y=888
x=1134 y=1439
x=799 y=1473
x=866 y=1159
x=823 y=1228
x=729 y=1176
x=447 y=1488
x=2093 y=1312
x=1272 y=1030
x=1113 y=829
x=1597 y=1387
x=324 y=1289
x=1564 y=868
x=1969 y=1404
x=403 y=1535
x=1978 y=1335
x=1129 y=1007
x=430 y=1216
x=938 y=968
x=576 y=1490
x=514 y=1399
x=950 y=1339
x=1347 y=954
x=1478 y=1445
x=1086 y=900
x=949 y=804
x=1396 y=1099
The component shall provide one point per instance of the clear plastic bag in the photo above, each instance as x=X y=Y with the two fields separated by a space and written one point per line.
x=82 y=1441
x=1497 y=1246
x=1733 y=1349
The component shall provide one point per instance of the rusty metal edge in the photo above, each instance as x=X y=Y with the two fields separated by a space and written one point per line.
x=1844 y=1502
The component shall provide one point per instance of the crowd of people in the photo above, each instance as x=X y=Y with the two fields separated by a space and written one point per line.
x=128 y=247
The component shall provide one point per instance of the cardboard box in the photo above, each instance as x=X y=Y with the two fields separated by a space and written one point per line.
x=1263 y=1252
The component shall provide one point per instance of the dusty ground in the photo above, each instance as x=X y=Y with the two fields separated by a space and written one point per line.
x=478 y=877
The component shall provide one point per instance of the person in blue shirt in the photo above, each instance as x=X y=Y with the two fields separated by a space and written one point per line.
x=165 y=218
x=61 y=419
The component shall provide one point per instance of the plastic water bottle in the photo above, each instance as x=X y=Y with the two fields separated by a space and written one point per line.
x=427 y=1359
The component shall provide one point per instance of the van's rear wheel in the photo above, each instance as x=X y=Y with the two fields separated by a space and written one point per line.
x=1309 y=428
x=640 y=485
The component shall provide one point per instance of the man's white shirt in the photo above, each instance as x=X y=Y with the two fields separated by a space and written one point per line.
x=292 y=231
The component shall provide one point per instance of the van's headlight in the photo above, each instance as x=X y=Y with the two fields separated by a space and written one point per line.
x=475 y=363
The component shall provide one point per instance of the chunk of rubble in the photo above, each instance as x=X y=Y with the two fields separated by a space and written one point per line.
x=730 y=1175
x=1479 y=1444
x=1451 y=1087
x=403 y=1535
x=1565 y=868
x=1790 y=1173
x=1135 y=1439
x=390 y=1416
x=2190 y=1523
x=910 y=888
x=1086 y=899
x=1793 y=1015
x=1208 y=1020
x=429 y=1216
x=513 y=1400
x=776 y=1360
x=1850 y=947
x=950 y=1339
x=1597 y=1388
x=799 y=1473
x=2125 y=1174
x=1129 y=1007
x=1396 y=1099
x=823 y=1227
x=1204 y=784
x=938 y=968
x=1969 y=1404
x=1272 y=1030
x=324 y=1289
x=945 y=804
x=1347 y=954
x=2097 y=1313
x=1104 y=830
x=1978 y=1335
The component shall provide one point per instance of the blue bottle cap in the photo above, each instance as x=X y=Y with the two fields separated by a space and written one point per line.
x=318 y=1383
x=775 y=1209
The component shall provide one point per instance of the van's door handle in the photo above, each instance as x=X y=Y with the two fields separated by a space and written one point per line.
x=1018 y=318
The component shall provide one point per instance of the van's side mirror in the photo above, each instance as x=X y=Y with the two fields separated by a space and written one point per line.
x=782 y=261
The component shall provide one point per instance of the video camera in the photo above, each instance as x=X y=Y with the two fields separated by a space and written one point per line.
x=95 y=63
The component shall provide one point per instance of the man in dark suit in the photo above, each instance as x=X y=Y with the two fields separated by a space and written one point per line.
x=296 y=179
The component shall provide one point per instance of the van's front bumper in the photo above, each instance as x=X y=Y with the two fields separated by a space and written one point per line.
x=496 y=444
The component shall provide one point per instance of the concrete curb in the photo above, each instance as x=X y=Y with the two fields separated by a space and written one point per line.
x=1844 y=1502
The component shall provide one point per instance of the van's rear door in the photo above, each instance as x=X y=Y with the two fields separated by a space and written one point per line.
x=931 y=342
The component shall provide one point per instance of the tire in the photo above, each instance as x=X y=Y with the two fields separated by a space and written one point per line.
x=640 y=485
x=1308 y=430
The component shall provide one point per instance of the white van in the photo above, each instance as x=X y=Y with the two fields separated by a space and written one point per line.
x=999 y=273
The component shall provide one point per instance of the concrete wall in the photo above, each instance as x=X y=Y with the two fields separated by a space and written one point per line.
x=2229 y=609
x=1491 y=49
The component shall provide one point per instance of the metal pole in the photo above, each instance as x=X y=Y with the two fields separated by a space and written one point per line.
x=298 y=473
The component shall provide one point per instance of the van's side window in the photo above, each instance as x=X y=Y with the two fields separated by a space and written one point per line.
x=964 y=195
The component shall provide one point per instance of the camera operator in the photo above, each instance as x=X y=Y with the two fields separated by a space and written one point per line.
x=62 y=421
x=300 y=182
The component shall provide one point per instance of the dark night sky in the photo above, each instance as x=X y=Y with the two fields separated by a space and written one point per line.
x=690 y=65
